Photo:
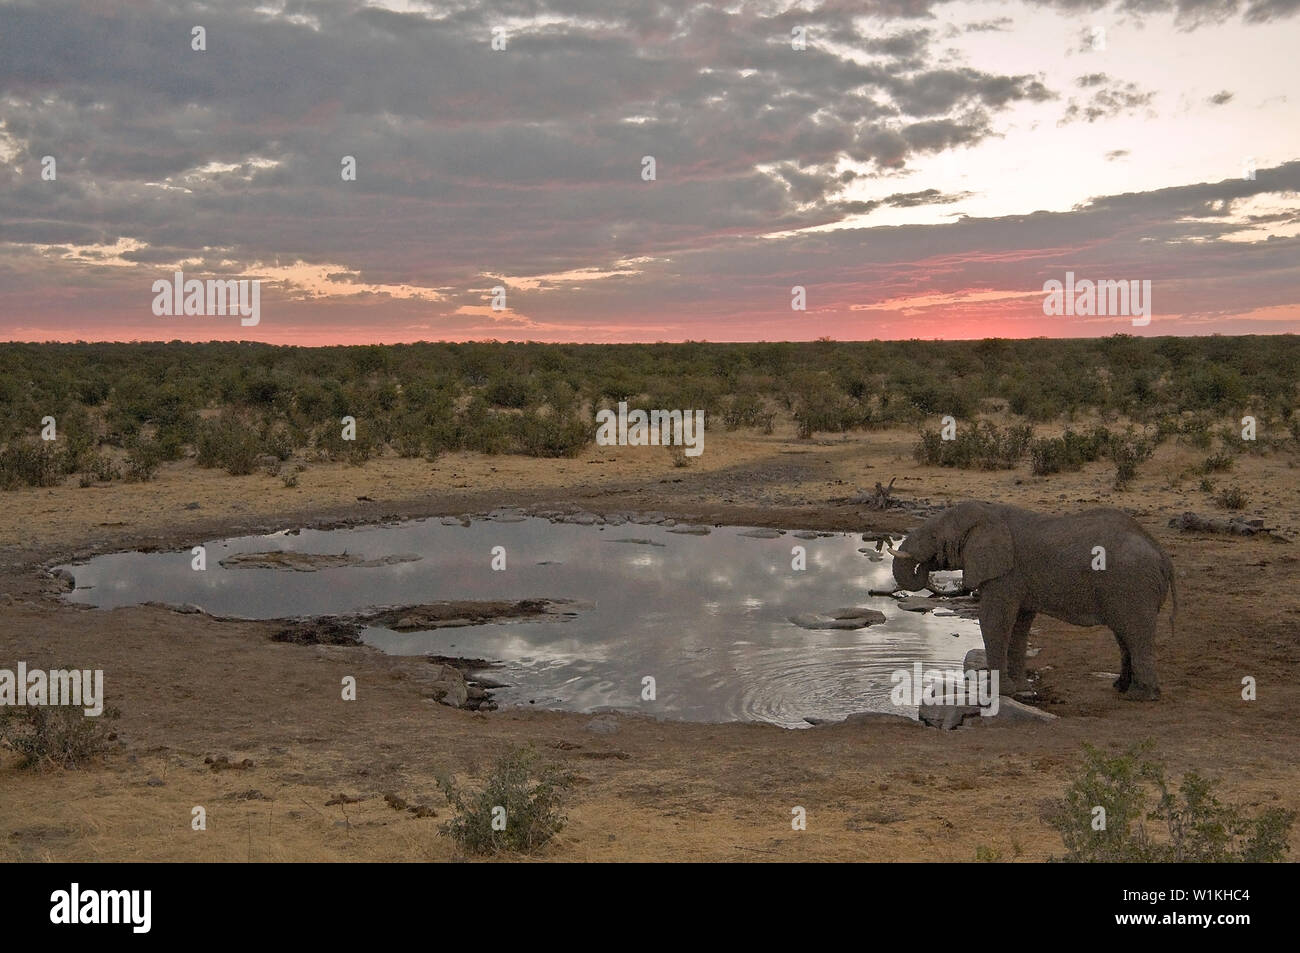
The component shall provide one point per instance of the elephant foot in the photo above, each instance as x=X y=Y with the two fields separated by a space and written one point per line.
x=1012 y=684
x=1142 y=693
x=1122 y=683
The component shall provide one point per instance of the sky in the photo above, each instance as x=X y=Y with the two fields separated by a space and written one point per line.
x=919 y=168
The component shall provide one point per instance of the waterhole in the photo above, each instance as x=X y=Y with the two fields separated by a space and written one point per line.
x=707 y=617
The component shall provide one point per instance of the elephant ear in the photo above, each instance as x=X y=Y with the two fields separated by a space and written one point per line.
x=987 y=553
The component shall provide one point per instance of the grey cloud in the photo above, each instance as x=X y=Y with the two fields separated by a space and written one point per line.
x=1112 y=98
x=989 y=26
x=905 y=200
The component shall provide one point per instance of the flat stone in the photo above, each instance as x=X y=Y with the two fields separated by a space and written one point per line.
x=812 y=620
x=873 y=616
x=917 y=604
x=947 y=717
x=1011 y=710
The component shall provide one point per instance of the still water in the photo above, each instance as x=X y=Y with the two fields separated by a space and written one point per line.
x=707 y=616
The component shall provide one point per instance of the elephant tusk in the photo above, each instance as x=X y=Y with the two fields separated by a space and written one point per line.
x=893 y=552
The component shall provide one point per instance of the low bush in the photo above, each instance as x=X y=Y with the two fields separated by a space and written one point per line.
x=516 y=808
x=1232 y=498
x=1128 y=451
x=1070 y=451
x=143 y=457
x=64 y=737
x=552 y=435
x=982 y=445
x=1198 y=827
x=30 y=462
x=230 y=443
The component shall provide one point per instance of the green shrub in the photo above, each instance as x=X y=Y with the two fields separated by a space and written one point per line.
x=228 y=442
x=1070 y=451
x=531 y=795
x=98 y=468
x=479 y=428
x=742 y=410
x=1195 y=431
x=277 y=441
x=143 y=457
x=78 y=437
x=982 y=445
x=1218 y=463
x=932 y=393
x=28 y=462
x=1213 y=386
x=366 y=443
x=410 y=441
x=64 y=737
x=1232 y=498
x=1128 y=452
x=509 y=392
x=552 y=435
x=1198 y=827
x=819 y=406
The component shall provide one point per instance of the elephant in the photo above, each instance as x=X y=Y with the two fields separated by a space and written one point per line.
x=1096 y=567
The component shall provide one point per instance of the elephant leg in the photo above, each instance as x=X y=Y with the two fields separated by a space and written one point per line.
x=1016 y=680
x=1126 y=665
x=1139 y=635
x=997 y=619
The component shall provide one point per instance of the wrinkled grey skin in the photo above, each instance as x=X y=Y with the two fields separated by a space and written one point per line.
x=1024 y=563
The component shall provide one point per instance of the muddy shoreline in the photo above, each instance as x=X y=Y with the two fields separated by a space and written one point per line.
x=830 y=517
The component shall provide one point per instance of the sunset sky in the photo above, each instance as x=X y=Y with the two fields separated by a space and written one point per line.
x=921 y=168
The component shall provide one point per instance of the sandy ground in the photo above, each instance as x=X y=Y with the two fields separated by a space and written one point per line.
x=189 y=687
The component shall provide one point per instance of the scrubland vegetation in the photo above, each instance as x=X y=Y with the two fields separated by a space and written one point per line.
x=122 y=410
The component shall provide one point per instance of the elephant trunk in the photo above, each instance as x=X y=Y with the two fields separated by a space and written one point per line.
x=911 y=574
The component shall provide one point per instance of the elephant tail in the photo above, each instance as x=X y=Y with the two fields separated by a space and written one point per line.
x=1173 y=596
